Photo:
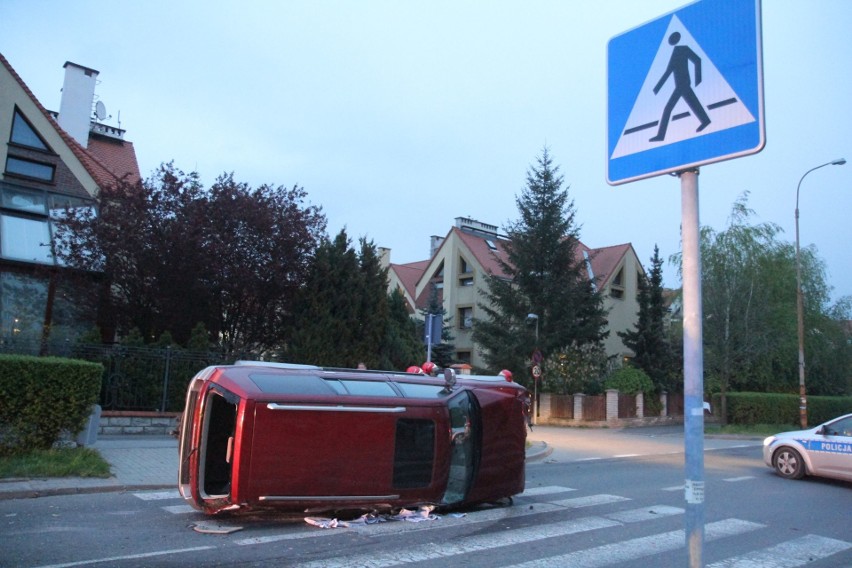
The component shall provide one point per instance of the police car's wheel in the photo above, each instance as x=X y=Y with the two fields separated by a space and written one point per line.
x=789 y=464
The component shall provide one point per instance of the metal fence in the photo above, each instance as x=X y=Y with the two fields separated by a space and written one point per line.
x=135 y=378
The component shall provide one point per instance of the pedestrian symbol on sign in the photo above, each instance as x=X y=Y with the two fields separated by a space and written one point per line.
x=678 y=69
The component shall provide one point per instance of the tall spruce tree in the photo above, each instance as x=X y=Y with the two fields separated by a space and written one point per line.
x=402 y=346
x=327 y=311
x=345 y=314
x=442 y=352
x=546 y=275
x=649 y=339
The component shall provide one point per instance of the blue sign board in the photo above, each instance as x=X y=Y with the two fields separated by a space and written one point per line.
x=685 y=90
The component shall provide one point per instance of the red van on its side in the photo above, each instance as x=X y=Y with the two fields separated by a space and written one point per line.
x=265 y=435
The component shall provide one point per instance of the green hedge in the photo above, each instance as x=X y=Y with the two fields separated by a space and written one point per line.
x=40 y=397
x=773 y=408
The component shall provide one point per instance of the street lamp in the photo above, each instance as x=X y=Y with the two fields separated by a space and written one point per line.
x=535 y=410
x=800 y=324
x=534 y=317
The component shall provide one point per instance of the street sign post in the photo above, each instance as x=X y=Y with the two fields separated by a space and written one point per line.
x=685 y=90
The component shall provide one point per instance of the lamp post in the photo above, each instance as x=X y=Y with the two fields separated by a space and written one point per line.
x=535 y=365
x=800 y=312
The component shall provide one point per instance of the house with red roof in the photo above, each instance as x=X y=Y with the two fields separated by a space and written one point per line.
x=51 y=161
x=460 y=260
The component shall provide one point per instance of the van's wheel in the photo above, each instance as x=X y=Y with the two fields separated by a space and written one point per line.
x=788 y=463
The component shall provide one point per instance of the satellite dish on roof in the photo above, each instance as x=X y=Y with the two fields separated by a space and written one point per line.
x=100 y=110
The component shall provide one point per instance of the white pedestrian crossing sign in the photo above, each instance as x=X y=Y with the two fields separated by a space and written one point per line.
x=685 y=90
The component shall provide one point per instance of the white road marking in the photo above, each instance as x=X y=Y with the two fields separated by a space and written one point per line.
x=735 y=479
x=589 y=501
x=157 y=495
x=530 y=491
x=636 y=548
x=128 y=557
x=790 y=554
x=179 y=509
x=476 y=543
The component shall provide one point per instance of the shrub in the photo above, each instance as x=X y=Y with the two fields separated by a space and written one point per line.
x=774 y=408
x=40 y=397
x=630 y=380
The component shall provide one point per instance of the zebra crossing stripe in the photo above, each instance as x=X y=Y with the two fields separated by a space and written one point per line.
x=482 y=542
x=533 y=491
x=636 y=548
x=179 y=509
x=589 y=501
x=157 y=495
x=791 y=554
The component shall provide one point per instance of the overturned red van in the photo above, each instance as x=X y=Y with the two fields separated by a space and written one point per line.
x=257 y=435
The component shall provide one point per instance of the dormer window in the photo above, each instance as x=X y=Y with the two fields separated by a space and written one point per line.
x=465 y=273
x=24 y=134
x=616 y=288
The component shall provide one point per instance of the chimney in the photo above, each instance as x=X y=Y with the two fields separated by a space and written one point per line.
x=434 y=244
x=384 y=256
x=78 y=94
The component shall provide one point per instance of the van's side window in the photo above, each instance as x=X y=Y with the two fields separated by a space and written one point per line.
x=414 y=454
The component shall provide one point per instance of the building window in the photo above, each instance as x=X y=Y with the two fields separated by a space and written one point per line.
x=616 y=289
x=465 y=318
x=22 y=301
x=24 y=200
x=24 y=134
x=464 y=267
x=29 y=168
x=466 y=281
x=463 y=357
x=25 y=239
x=25 y=221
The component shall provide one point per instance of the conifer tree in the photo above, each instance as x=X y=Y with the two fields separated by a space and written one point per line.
x=326 y=313
x=443 y=351
x=402 y=346
x=649 y=338
x=345 y=314
x=546 y=275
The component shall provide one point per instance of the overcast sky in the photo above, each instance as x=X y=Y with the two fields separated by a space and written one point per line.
x=397 y=117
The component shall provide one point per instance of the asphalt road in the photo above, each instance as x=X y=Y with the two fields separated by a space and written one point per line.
x=601 y=498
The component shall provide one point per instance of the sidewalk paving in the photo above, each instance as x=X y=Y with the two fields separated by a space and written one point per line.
x=138 y=462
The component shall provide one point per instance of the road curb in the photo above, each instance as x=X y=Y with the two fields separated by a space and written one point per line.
x=538 y=451
x=35 y=493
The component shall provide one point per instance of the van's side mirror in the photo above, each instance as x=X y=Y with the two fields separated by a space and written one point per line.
x=449 y=378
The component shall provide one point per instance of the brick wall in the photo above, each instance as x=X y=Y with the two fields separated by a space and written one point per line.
x=118 y=423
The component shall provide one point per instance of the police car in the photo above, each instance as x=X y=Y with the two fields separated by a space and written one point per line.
x=825 y=451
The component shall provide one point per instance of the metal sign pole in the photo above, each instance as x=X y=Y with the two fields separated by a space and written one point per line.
x=693 y=368
x=429 y=336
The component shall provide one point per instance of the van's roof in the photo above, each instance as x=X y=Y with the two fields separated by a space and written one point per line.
x=283 y=381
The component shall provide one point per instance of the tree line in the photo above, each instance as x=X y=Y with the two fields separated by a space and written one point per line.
x=255 y=268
